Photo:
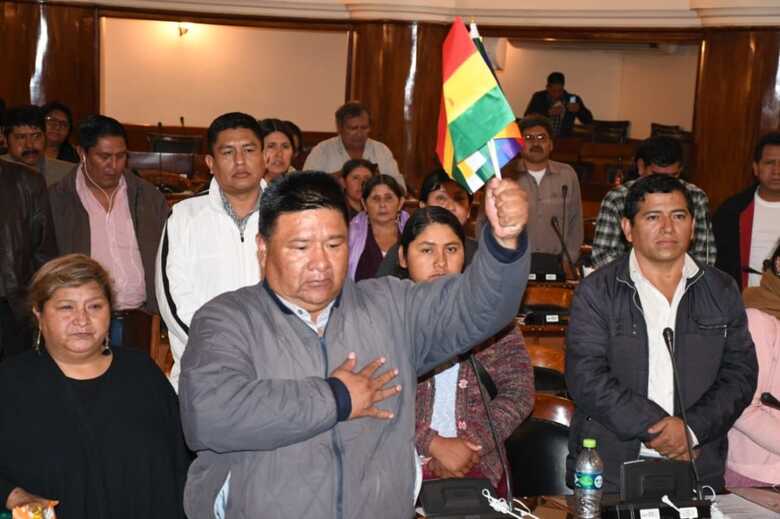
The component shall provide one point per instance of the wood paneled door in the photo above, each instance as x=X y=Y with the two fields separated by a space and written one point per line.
x=50 y=52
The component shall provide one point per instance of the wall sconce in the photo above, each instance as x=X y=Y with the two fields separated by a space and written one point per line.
x=183 y=29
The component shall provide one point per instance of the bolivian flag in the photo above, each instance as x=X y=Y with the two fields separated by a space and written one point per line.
x=477 y=131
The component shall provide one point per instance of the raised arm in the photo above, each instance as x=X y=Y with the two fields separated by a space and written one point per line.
x=447 y=317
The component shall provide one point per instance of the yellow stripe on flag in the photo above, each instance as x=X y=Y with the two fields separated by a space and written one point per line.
x=466 y=85
x=449 y=154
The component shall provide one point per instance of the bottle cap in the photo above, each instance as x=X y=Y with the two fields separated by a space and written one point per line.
x=589 y=443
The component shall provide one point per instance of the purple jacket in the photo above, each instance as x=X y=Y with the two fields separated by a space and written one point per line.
x=358 y=232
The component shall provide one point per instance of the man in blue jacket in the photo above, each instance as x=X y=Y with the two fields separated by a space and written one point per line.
x=618 y=368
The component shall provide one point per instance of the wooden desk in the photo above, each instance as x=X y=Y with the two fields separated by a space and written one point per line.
x=552 y=507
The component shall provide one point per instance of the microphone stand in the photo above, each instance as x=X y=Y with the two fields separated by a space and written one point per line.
x=564 y=192
x=504 y=464
x=567 y=257
x=669 y=340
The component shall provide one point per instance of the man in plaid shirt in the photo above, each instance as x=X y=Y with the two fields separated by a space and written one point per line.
x=654 y=155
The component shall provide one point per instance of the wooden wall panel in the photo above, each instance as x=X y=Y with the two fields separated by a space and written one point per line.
x=396 y=72
x=736 y=101
x=395 y=68
x=62 y=64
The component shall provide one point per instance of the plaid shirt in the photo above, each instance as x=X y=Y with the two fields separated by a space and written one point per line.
x=609 y=242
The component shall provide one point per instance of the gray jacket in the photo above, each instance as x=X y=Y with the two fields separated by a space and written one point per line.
x=255 y=402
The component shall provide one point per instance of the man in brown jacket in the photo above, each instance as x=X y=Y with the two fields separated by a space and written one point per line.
x=107 y=212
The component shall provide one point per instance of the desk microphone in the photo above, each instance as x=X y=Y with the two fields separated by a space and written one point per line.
x=770 y=401
x=557 y=228
x=669 y=340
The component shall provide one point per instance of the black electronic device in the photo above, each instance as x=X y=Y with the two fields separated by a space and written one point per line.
x=546 y=267
x=613 y=508
x=650 y=479
x=539 y=315
x=646 y=484
x=457 y=498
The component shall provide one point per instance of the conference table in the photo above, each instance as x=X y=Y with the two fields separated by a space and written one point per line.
x=738 y=503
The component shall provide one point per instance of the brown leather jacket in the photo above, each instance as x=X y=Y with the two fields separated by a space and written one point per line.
x=148 y=209
x=26 y=232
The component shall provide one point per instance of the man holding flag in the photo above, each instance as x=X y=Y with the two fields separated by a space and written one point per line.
x=298 y=394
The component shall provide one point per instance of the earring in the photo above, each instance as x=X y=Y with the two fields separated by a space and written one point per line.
x=37 y=343
x=106 y=346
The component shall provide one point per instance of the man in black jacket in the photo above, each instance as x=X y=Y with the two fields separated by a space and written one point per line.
x=560 y=106
x=618 y=369
x=26 y=242
x=747 y=225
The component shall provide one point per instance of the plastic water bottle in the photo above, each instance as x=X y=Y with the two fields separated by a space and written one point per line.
x=588 y=479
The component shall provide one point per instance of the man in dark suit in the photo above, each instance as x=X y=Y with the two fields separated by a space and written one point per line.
x=560 y=106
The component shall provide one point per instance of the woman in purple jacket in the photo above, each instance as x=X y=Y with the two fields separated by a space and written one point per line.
x=453 y=436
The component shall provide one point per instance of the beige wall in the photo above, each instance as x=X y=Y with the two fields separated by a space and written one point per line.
x=149 y=73
x=639 y=85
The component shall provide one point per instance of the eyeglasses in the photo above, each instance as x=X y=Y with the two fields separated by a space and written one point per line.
x=541 y=137
x=57 y=123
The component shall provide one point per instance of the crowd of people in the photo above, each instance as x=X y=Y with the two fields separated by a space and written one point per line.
x=329 y=347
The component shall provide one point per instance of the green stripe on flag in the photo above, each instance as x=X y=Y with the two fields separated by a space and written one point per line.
x=480 y=123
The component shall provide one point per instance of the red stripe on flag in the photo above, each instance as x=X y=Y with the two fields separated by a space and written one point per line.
x=456 y=49
x=442 y=133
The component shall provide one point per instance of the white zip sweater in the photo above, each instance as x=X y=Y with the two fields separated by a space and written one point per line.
x=201 y=255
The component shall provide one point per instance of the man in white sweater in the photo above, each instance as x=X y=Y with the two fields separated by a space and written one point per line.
x=208 y=246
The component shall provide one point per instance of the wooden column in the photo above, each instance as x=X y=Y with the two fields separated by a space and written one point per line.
x=736 y=102
x=50 y=52
x=395 y=69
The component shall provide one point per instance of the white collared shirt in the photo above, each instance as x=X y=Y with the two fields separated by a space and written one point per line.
x=659 y=314
x=305 y=316
x=330 y=155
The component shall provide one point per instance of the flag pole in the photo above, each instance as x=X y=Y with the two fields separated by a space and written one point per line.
x=494 y=157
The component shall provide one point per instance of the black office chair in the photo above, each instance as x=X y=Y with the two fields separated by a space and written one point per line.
x=170 y=143
x=615 y=132
x=537 y=449
x=549 y=381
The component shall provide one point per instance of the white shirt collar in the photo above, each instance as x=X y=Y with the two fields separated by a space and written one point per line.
x=305 y=316
x=690 y=268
